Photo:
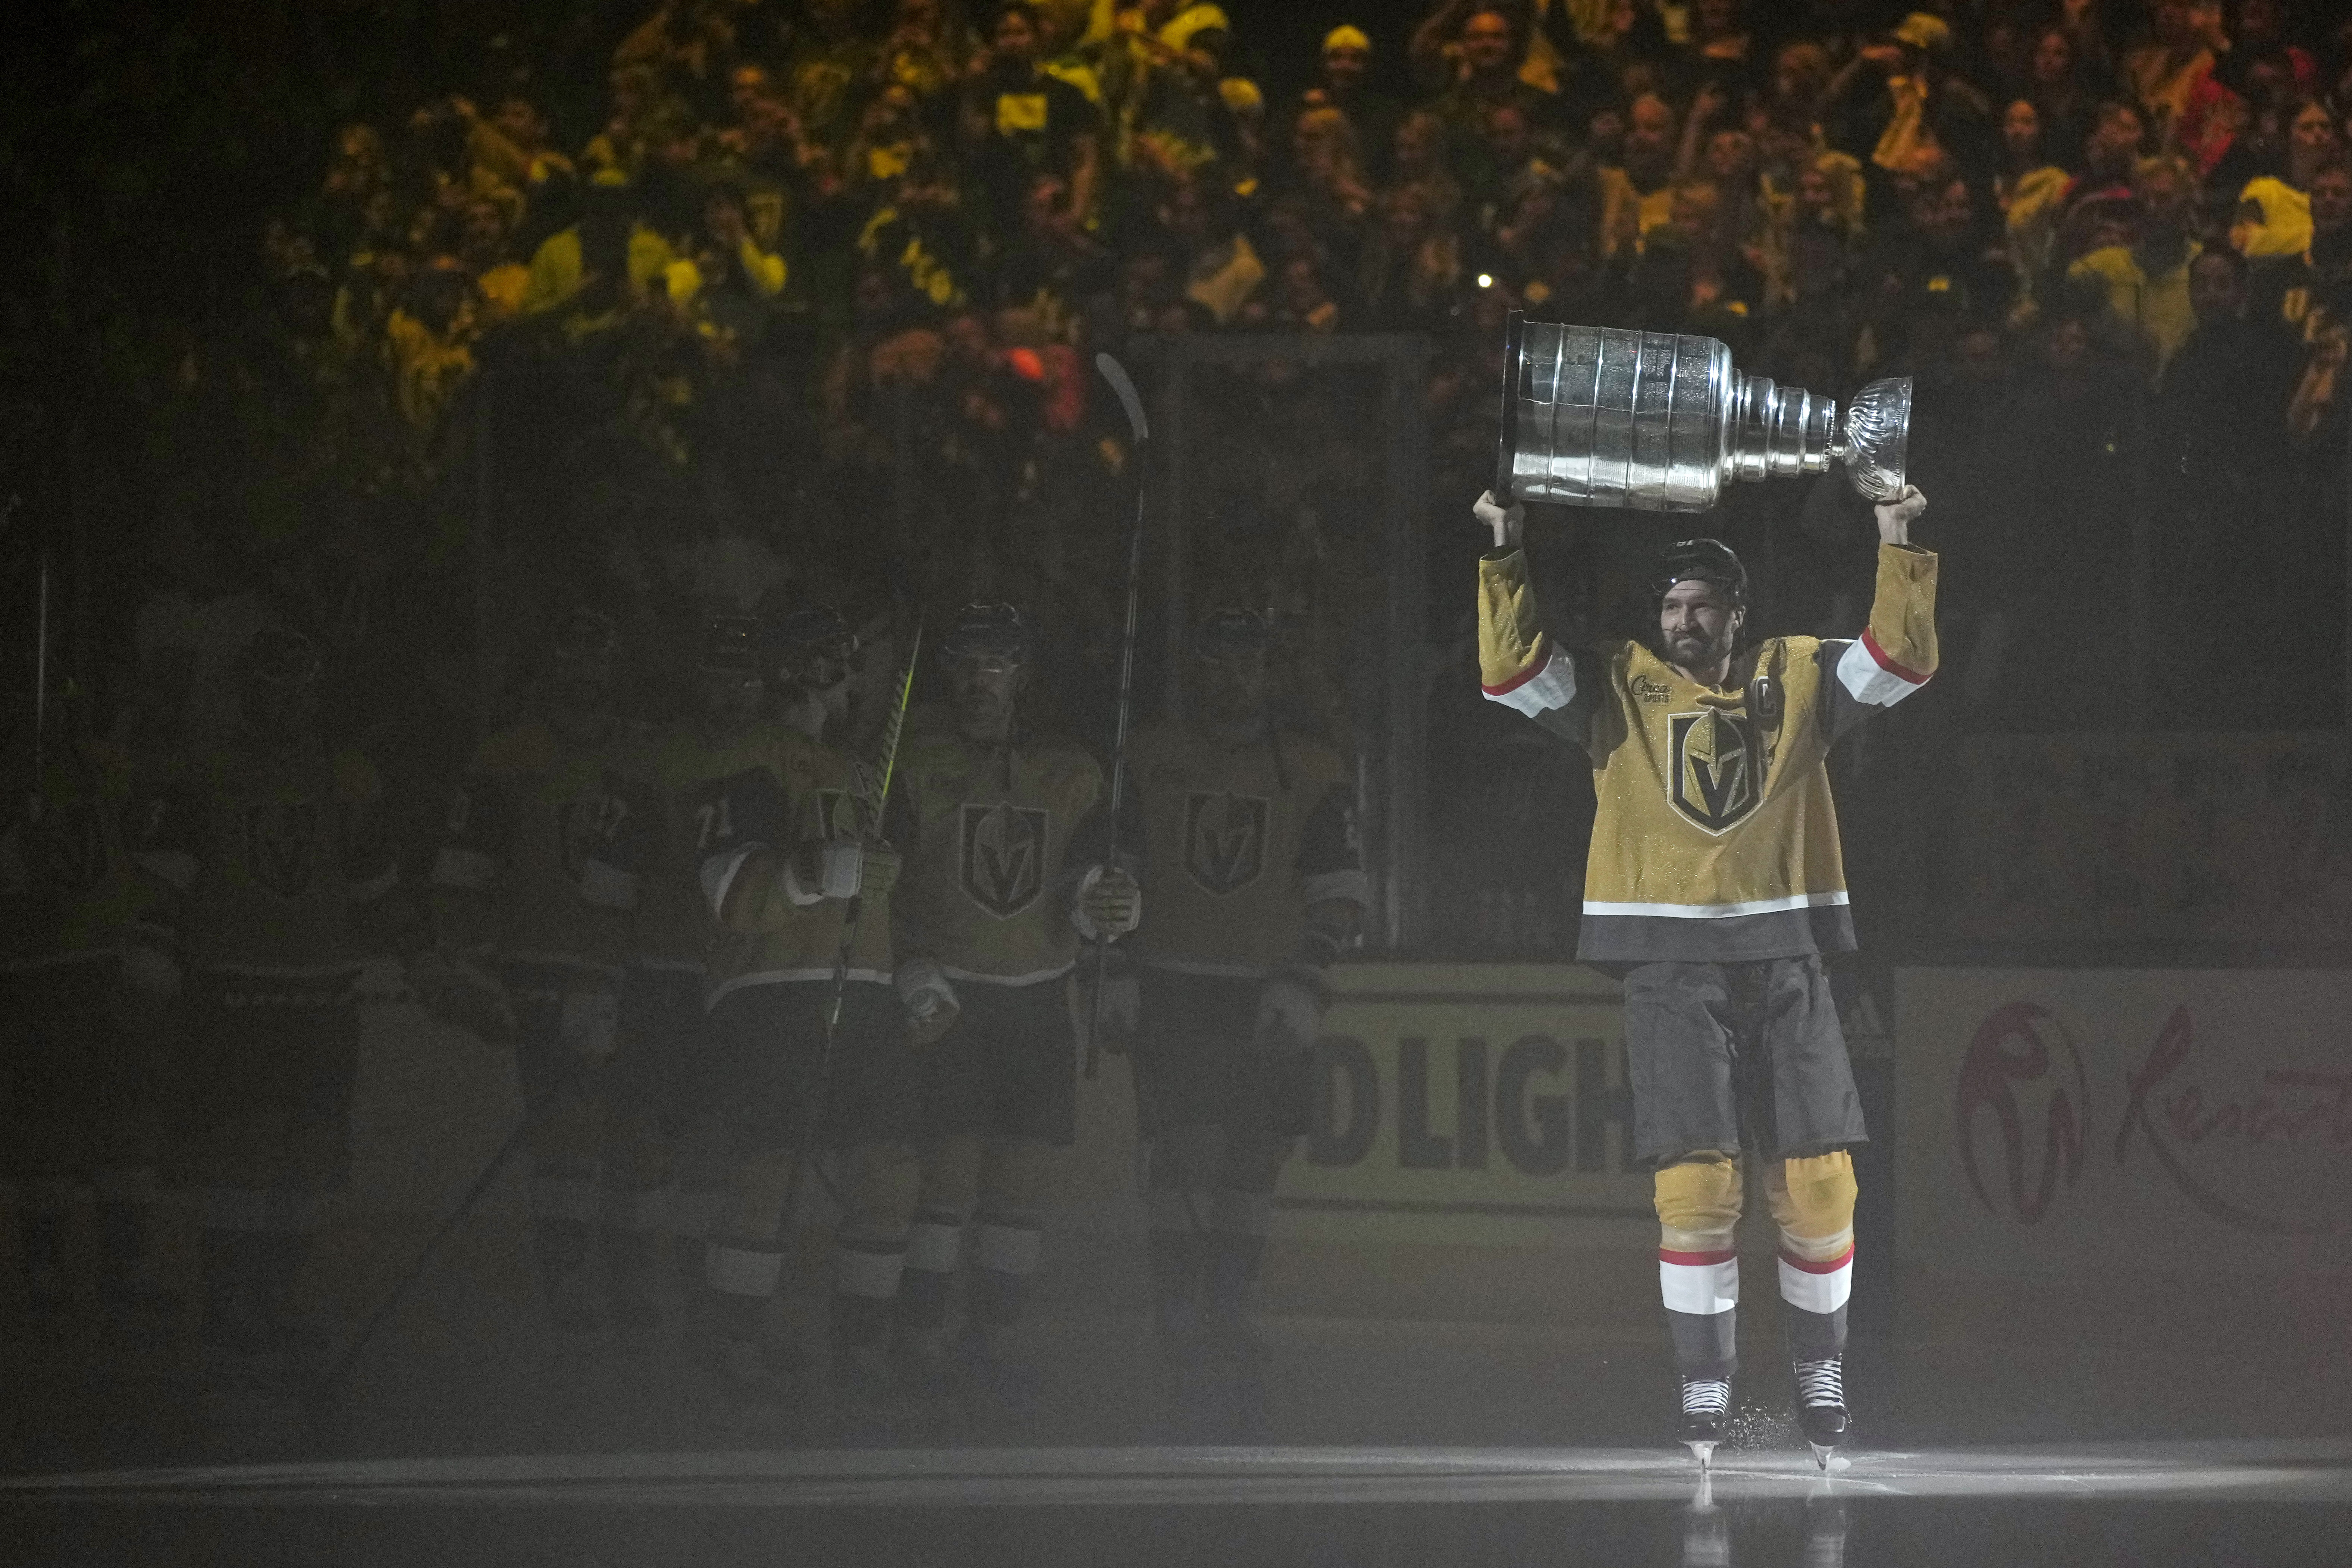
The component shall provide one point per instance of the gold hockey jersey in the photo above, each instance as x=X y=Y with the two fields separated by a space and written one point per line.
x=277 y=848
x=675 y=926
x=542 y=830
x=68 y=887
x=1714 y=838
x=996 y=839
x=1237 y=841
x=796 y=792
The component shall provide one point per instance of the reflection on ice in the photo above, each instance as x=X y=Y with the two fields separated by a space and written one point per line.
x=2318 y=1471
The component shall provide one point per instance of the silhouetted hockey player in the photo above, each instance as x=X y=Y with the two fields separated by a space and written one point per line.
x=787 y=845
x=1253 y=885
x=1001 y=833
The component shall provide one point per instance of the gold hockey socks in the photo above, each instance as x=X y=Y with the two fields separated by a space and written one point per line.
x=1813 y=1200
x=878 y=1183
x=1698 y=1199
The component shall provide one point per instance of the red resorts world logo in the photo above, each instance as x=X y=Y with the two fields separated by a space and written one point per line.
x=2022 y=1102
x=2262 y=1148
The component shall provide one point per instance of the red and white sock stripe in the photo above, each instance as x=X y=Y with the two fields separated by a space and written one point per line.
x=1700 y=1282
x=1817 y=1287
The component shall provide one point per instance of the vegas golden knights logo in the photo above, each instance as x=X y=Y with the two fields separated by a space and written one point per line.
x=1718 y=767
x=1224 y=839
x=1001 y=856
x=279 y=839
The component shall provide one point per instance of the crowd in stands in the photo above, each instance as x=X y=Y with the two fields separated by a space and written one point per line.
x=820 y=284
x=912 y=185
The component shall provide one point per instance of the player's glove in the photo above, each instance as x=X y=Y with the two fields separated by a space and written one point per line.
x=930 y=1001
x=1109 y=906
x=1290 y=1010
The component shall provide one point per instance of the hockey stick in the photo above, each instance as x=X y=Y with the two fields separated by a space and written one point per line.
x=322 y=1397
x=805 y=1155
x=1124 y=386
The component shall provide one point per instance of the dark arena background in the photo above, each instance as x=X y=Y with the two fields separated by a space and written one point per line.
x=380 y=378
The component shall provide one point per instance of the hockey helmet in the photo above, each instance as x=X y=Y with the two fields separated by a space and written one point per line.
x=731 y=647
x=813 y=647
x=990 y=631
x=282 y=657
x=1702 y=560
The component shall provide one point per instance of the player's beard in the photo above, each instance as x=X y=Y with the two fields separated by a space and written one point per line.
x=982 y=716
x=1696 y=651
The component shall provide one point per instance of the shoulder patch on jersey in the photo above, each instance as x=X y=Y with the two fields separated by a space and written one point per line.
x=1224 y=839
x=1716 y=767
x=1001 y=856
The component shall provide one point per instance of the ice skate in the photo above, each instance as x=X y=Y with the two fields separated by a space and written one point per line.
x=1706 y=1411
x=1820 y=1407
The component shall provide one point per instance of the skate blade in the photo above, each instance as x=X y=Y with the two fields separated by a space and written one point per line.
x=1703 y=1451
x=1822 y=1453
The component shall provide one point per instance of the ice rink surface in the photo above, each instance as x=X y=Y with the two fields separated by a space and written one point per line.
x=2222 y=1502
x=464 y=1440
x=2242 y=1472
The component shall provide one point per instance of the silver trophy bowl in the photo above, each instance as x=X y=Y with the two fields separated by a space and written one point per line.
x=1599 y=416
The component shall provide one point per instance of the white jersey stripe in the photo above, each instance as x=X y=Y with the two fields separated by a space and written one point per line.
x=1348 y=887
x=1868 y=680
x=1551 y=684
x=1718 y=911
x=718 y=874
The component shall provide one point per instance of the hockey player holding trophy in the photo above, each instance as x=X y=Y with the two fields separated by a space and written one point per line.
x=1715 y=885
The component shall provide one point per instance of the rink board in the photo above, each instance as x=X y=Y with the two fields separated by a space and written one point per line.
x=2127 y=1154
x=1467 y=1156
x=2116 y=1154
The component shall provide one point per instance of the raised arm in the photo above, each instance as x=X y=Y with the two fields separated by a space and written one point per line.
x=1433 y=68
x=1517 y=666
x=1896 y=653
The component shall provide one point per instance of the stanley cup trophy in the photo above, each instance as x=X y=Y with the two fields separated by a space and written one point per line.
x=1597 y=416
